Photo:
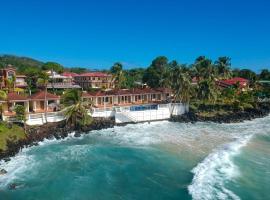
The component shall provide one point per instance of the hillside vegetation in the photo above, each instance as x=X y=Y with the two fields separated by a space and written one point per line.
x=21 y=63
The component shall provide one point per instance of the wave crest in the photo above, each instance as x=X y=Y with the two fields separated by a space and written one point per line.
x=212 y=173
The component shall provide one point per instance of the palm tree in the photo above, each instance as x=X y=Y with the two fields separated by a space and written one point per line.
x=3 y=97
x=181 y=85
x=43 y=81
x=76 y=109
x=207 y=90
x=223 y=67
x=11 y=83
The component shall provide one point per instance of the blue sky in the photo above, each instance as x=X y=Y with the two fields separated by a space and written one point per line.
x=97 y=33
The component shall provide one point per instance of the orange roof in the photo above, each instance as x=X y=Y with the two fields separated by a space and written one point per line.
x=41 y=96
x=13 y=96
x=122 y=92
x=69 y=74
x=94 y=74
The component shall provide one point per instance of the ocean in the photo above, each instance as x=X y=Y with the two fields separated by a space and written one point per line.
x=157 y=160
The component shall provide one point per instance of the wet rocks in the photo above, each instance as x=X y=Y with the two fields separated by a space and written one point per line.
x=58 y=130
x=262 y=110
x=3 y=171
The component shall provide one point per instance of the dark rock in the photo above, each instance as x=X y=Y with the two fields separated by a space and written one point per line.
x=2 y=171
x=58 y=130
x=12 y=186
x=6 y=159
x=262 y=110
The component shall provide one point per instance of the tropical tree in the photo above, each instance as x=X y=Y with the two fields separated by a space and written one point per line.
x=118 y=75
x=11 y=83
x=76 y=109
x=156 y=72
x=223 y=67
x=20 y=114
x=204 y=69
x=265 y=74
x=207 y=90
x=181 y=85
x=3 y=97
x=53 y=66
x=43 y=82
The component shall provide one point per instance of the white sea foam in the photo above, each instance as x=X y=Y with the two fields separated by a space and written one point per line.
x=211 y=174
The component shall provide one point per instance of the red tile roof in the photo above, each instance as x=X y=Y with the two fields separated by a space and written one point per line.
x=69 y=74
x=13 y=96
x=121 y=92
x=94 y=74
x=41 y=96
x=233 y=81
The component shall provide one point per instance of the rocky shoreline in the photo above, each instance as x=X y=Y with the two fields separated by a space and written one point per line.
x=262 y=110
x=58 y=130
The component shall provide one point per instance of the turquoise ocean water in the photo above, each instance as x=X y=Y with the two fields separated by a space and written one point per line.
x=160 y=160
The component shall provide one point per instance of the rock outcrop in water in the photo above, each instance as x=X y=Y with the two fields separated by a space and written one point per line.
x=262 y=110
x=58 y=130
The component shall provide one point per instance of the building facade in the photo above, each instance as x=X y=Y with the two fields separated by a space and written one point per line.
x=125 y=97
x=8 y=74
x=95 y=80
x=61 y=81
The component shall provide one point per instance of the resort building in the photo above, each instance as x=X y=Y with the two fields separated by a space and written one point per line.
x=9 y=73
x=33 y=104
x=242 y=82
x=61 y=81
x=124 y=97
x=95 y=80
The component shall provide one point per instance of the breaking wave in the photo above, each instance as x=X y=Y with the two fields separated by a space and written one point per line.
x=212 y=173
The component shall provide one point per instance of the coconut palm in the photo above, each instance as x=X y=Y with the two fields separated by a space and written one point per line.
x=223 y=67
x=181 y=85
x=3 y=97
x=43 y=82
x=11 y=83
x=76 y=109
x=207 y=90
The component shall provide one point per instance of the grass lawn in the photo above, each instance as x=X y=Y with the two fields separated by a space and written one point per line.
x=14 y=133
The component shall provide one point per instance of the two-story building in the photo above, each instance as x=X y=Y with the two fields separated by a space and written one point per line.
x=9 y=73
x=61 y=81
x=95 y=80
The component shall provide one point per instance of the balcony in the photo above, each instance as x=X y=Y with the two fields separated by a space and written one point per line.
x=62 y=85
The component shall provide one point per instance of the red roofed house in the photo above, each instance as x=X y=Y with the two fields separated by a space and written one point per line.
x=243 y=83
x=123 y=97
x=32 y=104
x=94 y=80
x=13 y=99
x=37 y=103
x=9 y=72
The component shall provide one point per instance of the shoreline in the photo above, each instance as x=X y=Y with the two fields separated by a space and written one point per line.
x=262 y=110
x=59 y=130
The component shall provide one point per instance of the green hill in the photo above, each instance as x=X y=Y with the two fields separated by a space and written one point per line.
x=19 y=62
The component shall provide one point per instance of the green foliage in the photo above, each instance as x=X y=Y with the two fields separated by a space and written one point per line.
x=76 y=111
x=154 y=75
x=181 y=84
x=223 y=67
x=264 y=75
x=13 y=133
x=116 y=68
x=245 y=73
x=119 y=75
x=53 y=66
x=77 y=70
x=134 y=77
x=20 y=112
x=21 y=63
x=207 y=90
